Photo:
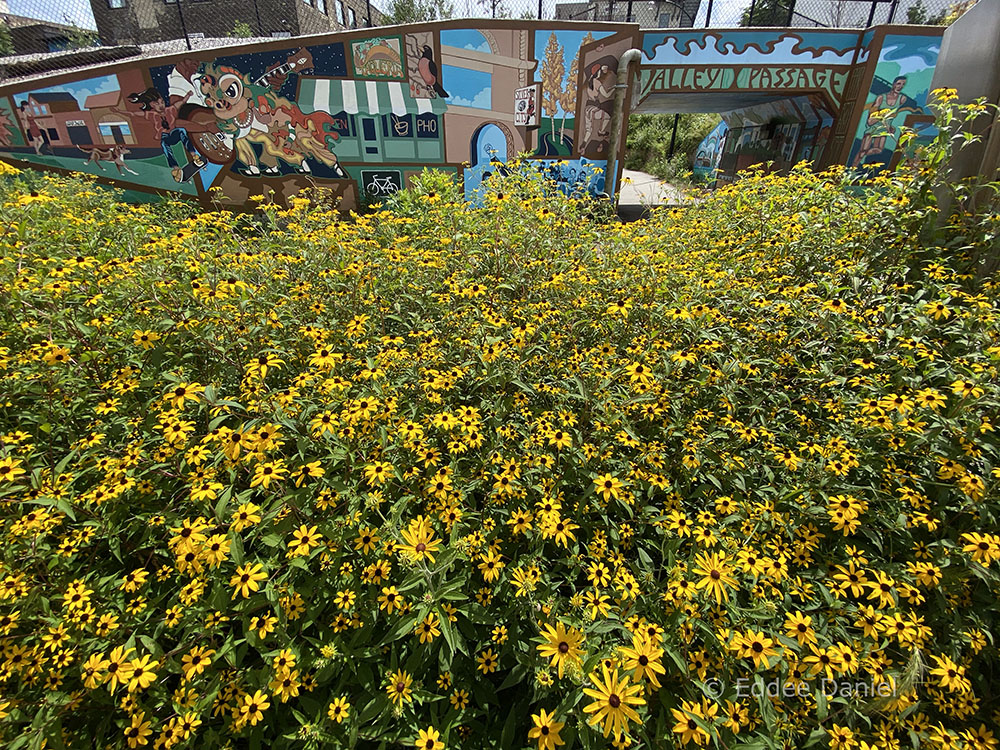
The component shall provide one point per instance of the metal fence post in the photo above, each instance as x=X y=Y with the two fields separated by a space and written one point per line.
x=673 y=137
x=539 y=10
x=628 y=12
x=260 y=24
x=871 y=14
x=708 y=14
x=753 y=7
x=184 y=31
x=611 y=10
x=892 y=10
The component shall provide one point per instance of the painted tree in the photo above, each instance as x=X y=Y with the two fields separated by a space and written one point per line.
x=553 y=70
x=570 y=93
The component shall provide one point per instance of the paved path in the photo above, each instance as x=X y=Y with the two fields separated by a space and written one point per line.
x=641 y=189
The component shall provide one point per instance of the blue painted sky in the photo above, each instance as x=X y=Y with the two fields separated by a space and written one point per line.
x=467 y=88
x=465 y=39
x=82 y=89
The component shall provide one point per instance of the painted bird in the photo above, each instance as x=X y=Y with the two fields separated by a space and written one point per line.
x=429 y=71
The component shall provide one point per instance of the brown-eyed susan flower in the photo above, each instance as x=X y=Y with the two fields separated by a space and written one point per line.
x=304 y=540
x=715 y=575
x=248 y=514
x=487 y=661
x=691 y=719
x=420 y=541
x=562 y=646
x=339 y=709
x=252 y=707
x=613 y=703
x=643 y=659
x=247 y=578
x=398 y=687
x=546 y=730
x=138 y=730
x=428 y=739
x=10 y=469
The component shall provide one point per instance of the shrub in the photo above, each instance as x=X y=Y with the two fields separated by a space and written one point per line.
x=481 y=477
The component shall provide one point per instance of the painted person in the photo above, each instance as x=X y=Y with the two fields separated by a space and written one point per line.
x=36 y=136
x=597 y=115
x=878 y=129
x=168 y=126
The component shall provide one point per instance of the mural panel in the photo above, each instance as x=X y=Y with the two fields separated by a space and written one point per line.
x=360 y=112
x=706 y=158
x=379 y=57
x=898 y=90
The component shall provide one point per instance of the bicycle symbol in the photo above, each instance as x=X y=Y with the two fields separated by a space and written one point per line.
x=382 y=185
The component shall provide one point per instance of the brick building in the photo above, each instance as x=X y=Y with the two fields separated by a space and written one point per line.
x=150 y=21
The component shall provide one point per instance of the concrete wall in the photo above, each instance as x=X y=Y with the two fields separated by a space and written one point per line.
x=970 y=63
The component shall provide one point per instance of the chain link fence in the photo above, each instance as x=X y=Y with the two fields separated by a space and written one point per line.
x=43 y=36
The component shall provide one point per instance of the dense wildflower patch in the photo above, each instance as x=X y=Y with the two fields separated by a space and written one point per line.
x=442 y=477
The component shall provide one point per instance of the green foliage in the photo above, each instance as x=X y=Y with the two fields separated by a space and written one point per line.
x=78 y=38
x=766 y=13
x=6 y=40
x=414 y=11
x=918 y=14
x=563 y=446
x=241 y=30
x=647 y=146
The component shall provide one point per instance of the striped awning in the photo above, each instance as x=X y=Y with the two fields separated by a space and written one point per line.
x=367 y=97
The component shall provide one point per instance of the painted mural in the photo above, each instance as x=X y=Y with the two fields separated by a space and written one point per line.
x=898 y=94
x=361 y=113
x=709 y=152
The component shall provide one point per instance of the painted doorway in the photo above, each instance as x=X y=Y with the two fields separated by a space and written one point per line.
x=489 y=142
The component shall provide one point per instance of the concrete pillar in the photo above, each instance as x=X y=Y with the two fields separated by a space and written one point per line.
x=970 y=63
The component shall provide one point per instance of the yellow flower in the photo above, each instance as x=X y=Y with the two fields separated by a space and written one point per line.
x=607 y=486
x=304 y=539
x=141 y=674
x=10 y=469
x=420 y=541
x=427 y=628
x=546 y=730
x=643 y=659
x=398 y=688
x=247 y=579
x=268 y=472
x=429 y=739
x=195 y=661
x=716 y=575
x=487 y=661
x=145 y=339
x=339 y=709
x=252 y=707
x=687 y=728
x=246 y=515
x=137 y=732
x=562 y=646
x=614 y=699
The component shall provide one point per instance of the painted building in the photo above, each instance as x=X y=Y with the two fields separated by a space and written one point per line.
x=361 y=112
